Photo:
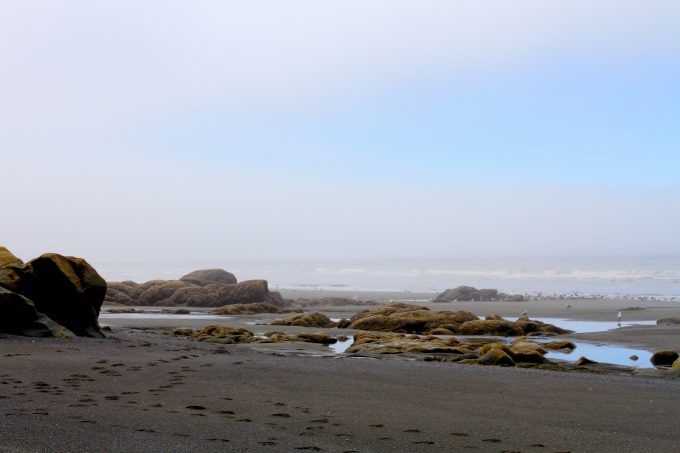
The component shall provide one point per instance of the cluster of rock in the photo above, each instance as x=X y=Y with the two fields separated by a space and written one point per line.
x=415 y=319
x=469 y=293
x=306 y=320
x=52 y=295
x=236 y=335
x=520 y=351
x=668 y=321
x=202 y=288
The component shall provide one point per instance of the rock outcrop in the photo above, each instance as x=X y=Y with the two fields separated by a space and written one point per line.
x=52 y=295
x=306 y=320
x=202 y=288
x=522 y=352
x=415 y=319
x=469 y=293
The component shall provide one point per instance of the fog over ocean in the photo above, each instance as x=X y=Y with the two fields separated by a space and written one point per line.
x=630 y=276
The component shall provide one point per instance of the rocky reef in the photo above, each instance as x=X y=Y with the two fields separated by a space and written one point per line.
x=202 y=288
x=236 y=335
x=469 y=293
x=415 y=319
x=52 y=295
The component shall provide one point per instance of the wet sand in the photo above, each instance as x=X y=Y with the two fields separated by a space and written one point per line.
x=142 y=389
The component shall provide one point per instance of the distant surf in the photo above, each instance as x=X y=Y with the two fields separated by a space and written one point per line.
x=608 y=277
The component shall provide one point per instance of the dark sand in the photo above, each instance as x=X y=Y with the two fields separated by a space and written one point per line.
x=145 y=390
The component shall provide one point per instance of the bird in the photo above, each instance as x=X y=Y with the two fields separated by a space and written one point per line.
x=618 y=318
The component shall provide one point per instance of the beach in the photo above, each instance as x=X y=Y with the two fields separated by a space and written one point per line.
x=144 y=389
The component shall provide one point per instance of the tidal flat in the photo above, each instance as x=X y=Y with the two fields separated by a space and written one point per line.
x=144 y=389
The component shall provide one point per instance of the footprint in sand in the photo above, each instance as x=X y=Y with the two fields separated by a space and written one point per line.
x=268 y=443
x=309 y=448
x=246 y=420
x=377 y=426
x=411 y=430
x=459 y=434
x=492 y=440
x=281 y=414
x=196 y=408
x=423 y=442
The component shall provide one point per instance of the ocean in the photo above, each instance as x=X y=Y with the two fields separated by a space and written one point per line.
x=657 y=277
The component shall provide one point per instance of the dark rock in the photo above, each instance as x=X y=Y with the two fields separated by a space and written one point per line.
x=668 y=321
x=19 y=316
x=664 y=358
x=206 y=276
x=66 y=289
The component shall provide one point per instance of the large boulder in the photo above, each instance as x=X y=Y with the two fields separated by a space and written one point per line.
x=206 y=276
x=67 y=290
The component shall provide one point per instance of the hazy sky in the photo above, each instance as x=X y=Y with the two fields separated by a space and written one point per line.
x=216 y=130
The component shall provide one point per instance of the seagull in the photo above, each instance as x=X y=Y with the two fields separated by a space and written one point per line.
x=618 y=318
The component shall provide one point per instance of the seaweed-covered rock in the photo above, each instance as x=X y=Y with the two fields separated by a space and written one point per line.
x=496 y=356
x=224 y=335
x=399 y=317
x=558 y=345
x=206 y=276
x=395 y=343
x=306 y=320
x=664 y=358
x=408 y=318
x=490 y=327
x=585 y=361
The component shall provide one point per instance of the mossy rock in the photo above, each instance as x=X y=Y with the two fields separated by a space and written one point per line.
x=497 y=357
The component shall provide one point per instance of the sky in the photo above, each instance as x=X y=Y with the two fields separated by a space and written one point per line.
x=267 y=130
